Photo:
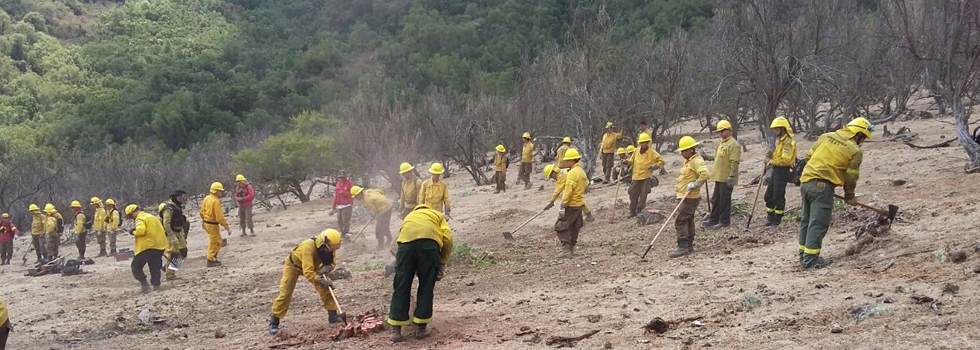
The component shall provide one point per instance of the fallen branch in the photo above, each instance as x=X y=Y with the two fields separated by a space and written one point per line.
x=285 y=345
x=569 y=341
x=938 y=145
x=687 y=319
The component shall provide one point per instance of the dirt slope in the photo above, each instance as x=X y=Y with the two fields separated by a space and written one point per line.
x=744 y=289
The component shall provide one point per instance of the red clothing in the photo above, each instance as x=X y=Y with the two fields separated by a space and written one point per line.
x=7 y=232
x=244 y=198
x=341 y=193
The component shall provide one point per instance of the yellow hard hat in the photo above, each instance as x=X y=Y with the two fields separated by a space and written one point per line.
x=95 y=200
x=217 y=186
x=240 y=178
x=620 y=150
x=572 y=154
x=130 y=209
x=644 y=137
x=5 y=216
x=527 y=135
x=501 y=149
x=328 y=236
x=49 y=208
x=630 y=149
x=33 y=207
x=860 y=125
x=779 y=122
x=686 y=143
x=110 y=202
x=566 y=140
x=422 y=206
x=608 y=125
x=161 y=206
x=405 y=167
x=76 y=204
x=723 y=125
x=436 y=169
x=548 y=169
x=356 y=190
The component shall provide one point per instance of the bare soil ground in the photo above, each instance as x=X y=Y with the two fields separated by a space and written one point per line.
x=739 y=290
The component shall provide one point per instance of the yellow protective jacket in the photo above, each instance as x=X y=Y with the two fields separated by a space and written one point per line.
x=428 y=224
x=435 y=195
x=573 y=195
x=112 y=220
x=149 y=233
x=410 y=192
x=98 y=221
x=500 y=162
x=527 y=152
x=376 y=201
x=643 y=161
x=305 y=257
x=51 y=226
x=727 y=157
x=560 y=155
x=609 y=140
x=835 y=157
x=211 y=211
x=559 y=184
x=3 y=313
x=79 y=223
x=694 y=169
x=37 y=224
x=784 y=155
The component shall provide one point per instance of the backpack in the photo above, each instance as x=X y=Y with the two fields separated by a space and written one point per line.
x=60 y=224
x=88 y=223
x=976 y=135
x=108 y=215
x=796 y=171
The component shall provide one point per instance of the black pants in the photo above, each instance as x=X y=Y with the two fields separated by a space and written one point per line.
x=38 y=242
x=721 y=200
x=6 y=251
x=80 y=244
x=776 y=191
x=417 y=258
x=4 y=332
x=151 y=257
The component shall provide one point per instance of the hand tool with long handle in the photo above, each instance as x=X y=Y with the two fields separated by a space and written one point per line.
x=612 y=218
x=755 y=203
x=509 y=235
x=358 y=235
x=666 y=221
x=890 y=213
x=707 y=194
x=340 y=310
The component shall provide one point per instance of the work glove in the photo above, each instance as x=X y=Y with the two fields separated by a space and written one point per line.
x=183 y=253
x=447 y=212
x=333 y=211
x=440 y=272
x=731 y=181
x=694 y=185
x=228 y=231
x=561 y=212
x=850 y=200
x=324 y=282
x=655 y=167
x=324 y=269
x=549 y=206
x=769 y=154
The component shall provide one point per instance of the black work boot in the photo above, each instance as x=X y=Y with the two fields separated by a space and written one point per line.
x=769 y=219
x=214 y=263
x=396 y=334
x=273 y=325
x=101 y=253
x=420 y=332
x=777 y=219
x=682 y=249
x=814 y=261
x=251 y=231
x=243 y=232
x=112 y=252
x=334 y=317
x=144 y=287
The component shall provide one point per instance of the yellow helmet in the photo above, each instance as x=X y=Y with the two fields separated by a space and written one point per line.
x=436 y=169
x=405 y=167
x=860 y=125
x=33 y=207
x=608 y=125
x=76 y=204
x=161 y=206
x=620 y=150
x=95 y=200
x=630 y=149
x=779 y=122
x=328 y=236
x=49 y=208
x=644 y=137
x=723 y=125
x=217 y=186
x=422 y=206
x=110 y=202
x=548 y=169
x=566 y=140
x=501 y=149
x=527 y=135
x=356 y=190
x=572 y=154
x=5 y=216
x=240 y=178
x=686 y=143
x=131 y=208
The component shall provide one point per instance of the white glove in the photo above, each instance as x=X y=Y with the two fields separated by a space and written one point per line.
x=694 y=185
x=561 y=212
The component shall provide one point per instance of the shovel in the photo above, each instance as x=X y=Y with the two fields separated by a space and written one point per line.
x=666 y=221
x=755 y=203
x=358 y=235
x=890 y=213
x=340 y=310
x=509 y=235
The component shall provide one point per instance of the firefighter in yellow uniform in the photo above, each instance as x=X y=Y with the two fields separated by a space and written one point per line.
x=572 y=202
x=552 y=172
x=51 y=235
x=37 y=231
x=81 y=232
x=500 y=163
x=5 y=327
x=434 y=192
x=380 y=207
x=527 y=160
x=410 y=188
x=725 y=176
x=781 y=161
x=175 y=225
x=693 y=174
x=150 y=243
x=213 y=218
x=566 y=144
x=644 y=161
x=313 y=259
x=607 y=149
x=834 y=160
x=112 y=221
x=98 y=224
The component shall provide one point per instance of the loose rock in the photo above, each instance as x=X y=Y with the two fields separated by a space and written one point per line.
x=219 y=334
x=958 y=256
x=836 y=328
x=657 y=325
x=950 y=288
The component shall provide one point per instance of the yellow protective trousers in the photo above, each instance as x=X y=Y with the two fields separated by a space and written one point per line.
x=214 y=241
x=291 y=273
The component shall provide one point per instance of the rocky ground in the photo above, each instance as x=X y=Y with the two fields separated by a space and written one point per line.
x=911 y=286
